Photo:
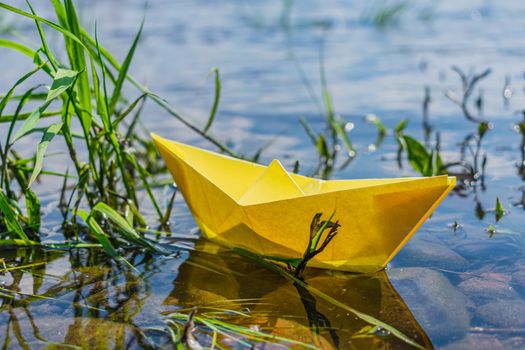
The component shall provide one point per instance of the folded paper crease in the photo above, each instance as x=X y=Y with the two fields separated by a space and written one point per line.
x=268 y=210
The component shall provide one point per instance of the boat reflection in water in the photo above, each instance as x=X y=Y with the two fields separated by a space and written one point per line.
x=224 y=281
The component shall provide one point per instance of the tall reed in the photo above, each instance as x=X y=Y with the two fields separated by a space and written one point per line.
x=86 y=93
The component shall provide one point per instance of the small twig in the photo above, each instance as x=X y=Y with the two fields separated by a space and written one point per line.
x=4 y=266
x=169 y=208
x=62 y=201
x=187 y=338
x=426 y=120
x=317 y=228
x=468 y=85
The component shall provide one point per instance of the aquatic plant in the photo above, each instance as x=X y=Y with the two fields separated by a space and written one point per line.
x=213 y=323
x=317 y=229
x=329 y=143
x=334 y=136
x=109 y=157
x=520 y=128
x=426 y=159
x=468 y=85
x=383 y=14
x=426 y=162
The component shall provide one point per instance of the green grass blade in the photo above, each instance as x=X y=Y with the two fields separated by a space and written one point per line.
x=10 y=218
x=309 y=131
x=322 y=147
x=78 y=63
x=381 y=129
x=400 y=127
x=37 y=96
x=23 y=116
x=51 y=24
x=27 y=51
x=215 y=100
x=64 y=79
x=49 y=134
x=167 y=214
x=327 y=97
x=33 y=209
x=439 y=166
x=26 y=97
x=343 y=135
x=429 y=165
x=137 y=216
x=5 y=152
x=60 y=11
x=117 y=219
x=127 y=230
x=123 y=71
x=31 y=122
x=17 y=243
x=318 y=234
x=99 y=96
x=102 y=237
x=43 y=40
x=143 y=177
x=328 y=104
x=7 y=96
x=99 y=234
x=102 y=98
x=418 y=156
x=372 y=118
x=8 y=44
x=500 y=211
x=128 y=110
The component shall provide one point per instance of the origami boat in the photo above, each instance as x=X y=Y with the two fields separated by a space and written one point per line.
x=268 y=211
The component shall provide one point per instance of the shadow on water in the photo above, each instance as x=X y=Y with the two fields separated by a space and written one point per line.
x=80 y=299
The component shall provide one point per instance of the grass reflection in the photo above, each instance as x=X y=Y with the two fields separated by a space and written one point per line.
x=83 y=299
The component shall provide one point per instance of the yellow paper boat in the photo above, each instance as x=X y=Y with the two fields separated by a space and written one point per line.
x=268 y=211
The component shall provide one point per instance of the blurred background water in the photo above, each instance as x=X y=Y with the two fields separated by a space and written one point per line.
x=464 y=284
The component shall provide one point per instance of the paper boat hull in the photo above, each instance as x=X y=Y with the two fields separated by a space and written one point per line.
x=229 y=201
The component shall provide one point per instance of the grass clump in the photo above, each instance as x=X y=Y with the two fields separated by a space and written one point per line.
x=89 y=113
x=425 y=158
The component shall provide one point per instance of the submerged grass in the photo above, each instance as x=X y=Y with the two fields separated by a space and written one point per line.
x=213 y=323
